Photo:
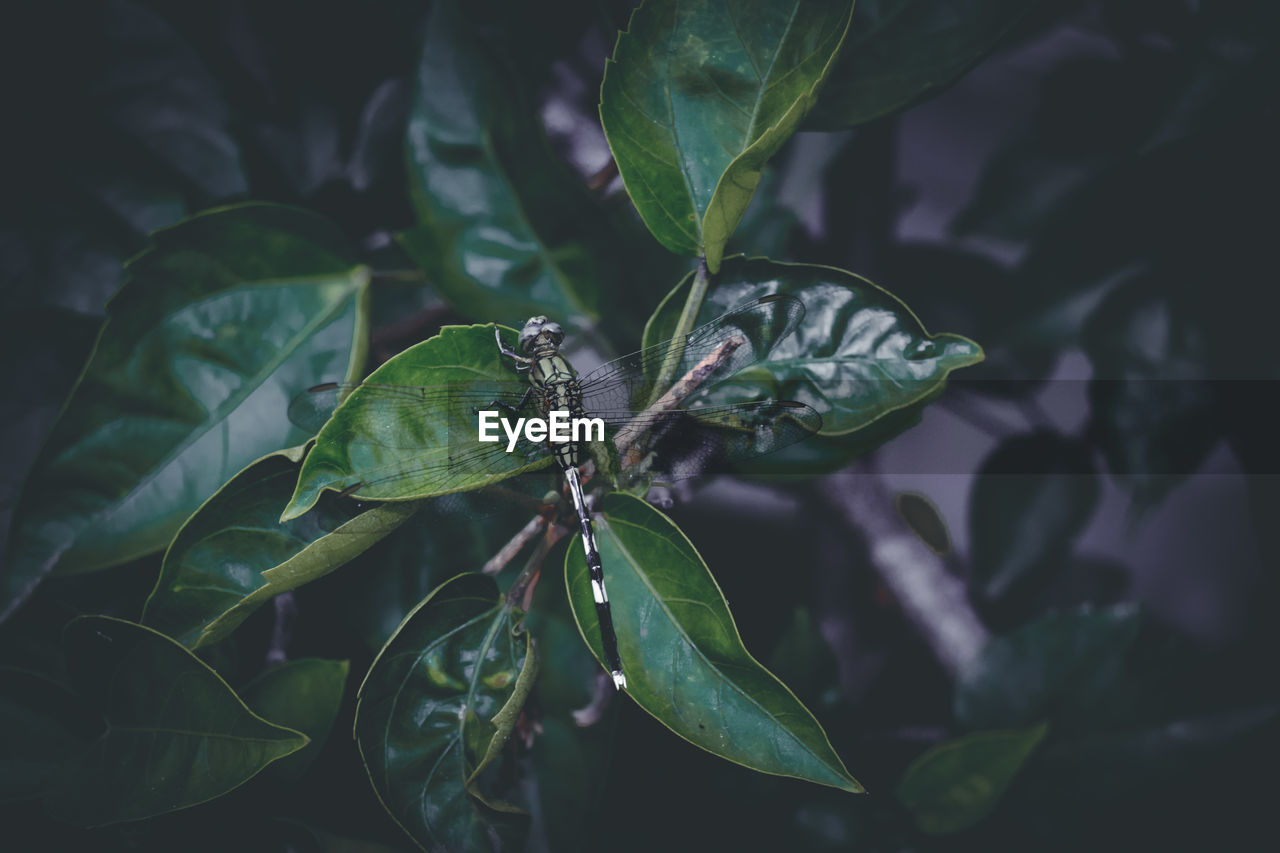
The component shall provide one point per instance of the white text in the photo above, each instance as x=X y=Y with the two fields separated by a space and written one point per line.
x=558 y=428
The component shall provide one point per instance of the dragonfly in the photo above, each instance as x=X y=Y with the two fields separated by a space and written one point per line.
x=650 y=437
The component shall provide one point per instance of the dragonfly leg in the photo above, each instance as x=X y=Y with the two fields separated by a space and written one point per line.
x=510 y=409
x=522 y=362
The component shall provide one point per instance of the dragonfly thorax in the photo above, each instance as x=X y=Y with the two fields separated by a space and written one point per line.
x=540 y=336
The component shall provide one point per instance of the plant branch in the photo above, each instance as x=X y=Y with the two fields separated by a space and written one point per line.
x=692 y=305
x=624 y=441
x=604 y=177
x=932 y=599
x=679 y=391
x=522 y=588
x=514 y=545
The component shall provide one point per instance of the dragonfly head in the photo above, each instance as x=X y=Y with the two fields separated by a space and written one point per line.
x=538 y=332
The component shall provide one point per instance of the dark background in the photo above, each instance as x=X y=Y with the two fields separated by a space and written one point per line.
x=1094 y=204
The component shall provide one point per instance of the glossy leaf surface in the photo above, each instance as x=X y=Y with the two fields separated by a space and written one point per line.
x=899 y=52
x=234 y=554
x=438 y=704
x=304 y=695
x=859 y=355
x=699 y=96
x=501 y=221
x=367 y=443
x=956 y=784
x=684 y=660
x=227 y=316
x=176 y=735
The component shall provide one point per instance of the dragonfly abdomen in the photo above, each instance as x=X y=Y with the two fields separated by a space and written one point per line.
x=556 y=384
x=604 y=616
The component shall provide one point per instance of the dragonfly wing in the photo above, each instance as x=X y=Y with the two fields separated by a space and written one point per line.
x=311 y=409
x=682 y=443
x=741 y=337
x=390 y=442
x=527 y=494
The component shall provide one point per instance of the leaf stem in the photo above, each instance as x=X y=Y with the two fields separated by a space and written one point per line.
x=692 y=305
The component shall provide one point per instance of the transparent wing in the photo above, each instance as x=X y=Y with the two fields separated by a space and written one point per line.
x=727 y=344
x=682 y=443
x=406 y=441
x=669 y=445
x=313 y=407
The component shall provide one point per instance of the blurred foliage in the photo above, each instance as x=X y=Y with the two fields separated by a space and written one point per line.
x=212 y=207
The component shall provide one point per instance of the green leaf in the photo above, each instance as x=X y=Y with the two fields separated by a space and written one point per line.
x=382 y=448
x=234 y=553
x=977 y=297
x=390 y=579
x=226 y=317
x=504 y=228
x=304 y=695
x=956 y=784
x=858 y=356
x=1031 y=498
x=42 y=725
x=684 y=660
x=571 y=760
x=699 y=96
x=1069 y=668
x=176 y=735
x=435 y=709
x=900 y=52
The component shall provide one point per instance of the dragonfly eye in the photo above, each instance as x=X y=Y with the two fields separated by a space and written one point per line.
x=536 y=328
x=528 y=334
